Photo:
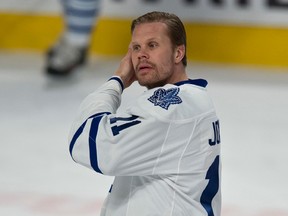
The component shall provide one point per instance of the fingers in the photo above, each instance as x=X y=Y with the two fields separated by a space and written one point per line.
x=129 y=52
x=126 y=69
x=130 y=47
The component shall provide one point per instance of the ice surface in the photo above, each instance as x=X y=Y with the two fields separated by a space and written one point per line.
x=38 y=177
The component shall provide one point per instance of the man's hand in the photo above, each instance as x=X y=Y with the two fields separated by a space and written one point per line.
x=125 y=70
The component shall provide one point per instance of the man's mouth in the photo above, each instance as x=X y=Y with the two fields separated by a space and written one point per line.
x=144 y=67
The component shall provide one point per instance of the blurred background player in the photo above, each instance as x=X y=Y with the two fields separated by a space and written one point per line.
x=70 y=51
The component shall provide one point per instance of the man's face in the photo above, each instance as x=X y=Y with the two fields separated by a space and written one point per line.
x=152 y=54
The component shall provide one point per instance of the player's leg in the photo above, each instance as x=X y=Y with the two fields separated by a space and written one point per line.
x=80 y=16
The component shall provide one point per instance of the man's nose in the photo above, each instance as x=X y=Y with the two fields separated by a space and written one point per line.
x=143 y=53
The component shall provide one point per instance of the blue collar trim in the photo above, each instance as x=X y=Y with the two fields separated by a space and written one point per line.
x=199 y=82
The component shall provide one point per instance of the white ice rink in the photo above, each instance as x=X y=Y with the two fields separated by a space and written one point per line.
x=38 y=177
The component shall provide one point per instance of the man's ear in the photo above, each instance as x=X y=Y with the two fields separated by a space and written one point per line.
x=179 y=53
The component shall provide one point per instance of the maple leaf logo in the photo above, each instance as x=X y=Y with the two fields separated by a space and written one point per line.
x=164 y=98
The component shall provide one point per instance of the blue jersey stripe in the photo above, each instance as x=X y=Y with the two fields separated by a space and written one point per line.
x=75 y=137
x=80 y=130
x=92 y=143
x=212 y=186
x=80 y=29
x=81 y=12
x=199 y=82
x=119 y=80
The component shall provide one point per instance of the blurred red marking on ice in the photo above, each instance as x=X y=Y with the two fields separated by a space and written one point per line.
x=51 y=204
x=47 y=203
x=233 y=210
x=273 y=213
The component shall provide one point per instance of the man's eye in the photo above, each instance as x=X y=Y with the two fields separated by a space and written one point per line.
x=136 y=48
x=152 y=45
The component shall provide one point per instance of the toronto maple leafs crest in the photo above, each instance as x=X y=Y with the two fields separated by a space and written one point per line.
x=164 y=98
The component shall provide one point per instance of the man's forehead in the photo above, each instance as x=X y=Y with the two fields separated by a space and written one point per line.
x=150 y=25
x=149 y=31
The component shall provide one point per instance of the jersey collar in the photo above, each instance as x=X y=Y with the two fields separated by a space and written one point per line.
x=199 y=82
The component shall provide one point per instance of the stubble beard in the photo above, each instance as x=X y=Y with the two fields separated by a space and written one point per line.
x=153 y=80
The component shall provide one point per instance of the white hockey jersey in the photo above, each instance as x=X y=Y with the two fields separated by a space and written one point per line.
x=164 y=150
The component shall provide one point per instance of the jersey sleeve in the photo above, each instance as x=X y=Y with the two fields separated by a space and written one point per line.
x=138 y=141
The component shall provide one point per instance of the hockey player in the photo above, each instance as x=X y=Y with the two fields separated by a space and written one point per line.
x=164 y=150
x=70 y=51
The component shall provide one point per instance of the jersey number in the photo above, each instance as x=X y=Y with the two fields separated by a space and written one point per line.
x=128 y=122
